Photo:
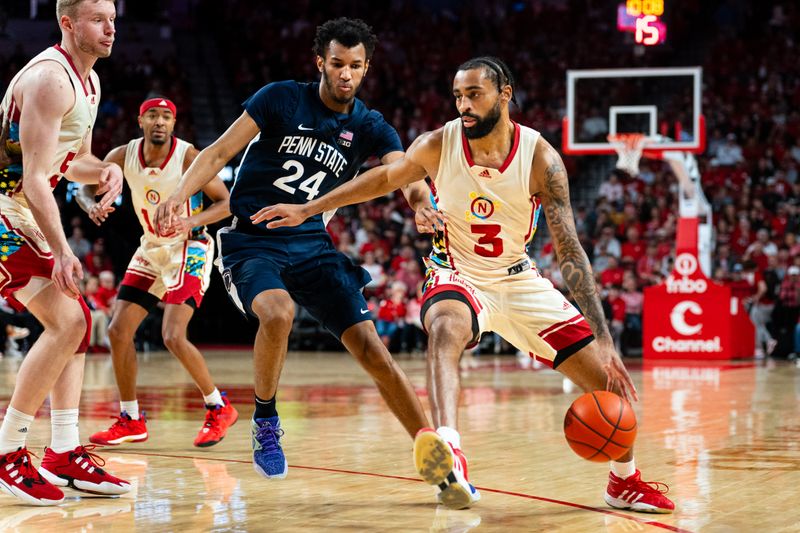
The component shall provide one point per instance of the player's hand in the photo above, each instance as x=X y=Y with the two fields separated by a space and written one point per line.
x=98 y=214
x=618 y=378
x=109 y=185
x=280 y=215
x=167 y=214
x=429 y=220
x=179 y=225
x=67 y=273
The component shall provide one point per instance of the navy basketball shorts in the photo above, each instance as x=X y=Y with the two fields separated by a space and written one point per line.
x=317 y=276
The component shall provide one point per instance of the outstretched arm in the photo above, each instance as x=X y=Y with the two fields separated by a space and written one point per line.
x=549 y=180
x=376 y=182
x=205 y=168
x=214 y=189
x=418 y=196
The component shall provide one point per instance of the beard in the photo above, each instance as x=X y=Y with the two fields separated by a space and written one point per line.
x=330 y=88
x=158 y=142
x=483 y=126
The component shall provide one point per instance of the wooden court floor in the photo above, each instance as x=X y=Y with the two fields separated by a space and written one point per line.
x=725 y=437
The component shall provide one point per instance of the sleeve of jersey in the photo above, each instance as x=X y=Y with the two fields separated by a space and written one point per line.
x=273 y=105
x=386 y=138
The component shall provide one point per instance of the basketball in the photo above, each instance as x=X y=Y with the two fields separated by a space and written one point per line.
x=600 y=426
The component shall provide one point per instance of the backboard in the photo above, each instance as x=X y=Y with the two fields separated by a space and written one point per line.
x=662 y=103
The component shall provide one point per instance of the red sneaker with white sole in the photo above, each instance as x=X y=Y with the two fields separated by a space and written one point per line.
x=218 y=420
x=637 y=495
x=18 y=477
x=442 y=465
x=125 y=429
x=81 y=470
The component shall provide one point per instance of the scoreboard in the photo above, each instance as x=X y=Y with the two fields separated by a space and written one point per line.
x=643 y=18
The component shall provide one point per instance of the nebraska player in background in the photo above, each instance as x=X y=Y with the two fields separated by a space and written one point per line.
x=492 y=177
x=47 y=115
x=174 y=269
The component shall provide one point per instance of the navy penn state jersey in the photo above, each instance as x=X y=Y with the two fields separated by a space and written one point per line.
x=303 y=151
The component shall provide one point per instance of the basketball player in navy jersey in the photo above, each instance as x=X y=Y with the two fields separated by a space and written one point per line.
x=303 y=139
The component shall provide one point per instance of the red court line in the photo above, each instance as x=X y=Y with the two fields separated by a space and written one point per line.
x=404 y=478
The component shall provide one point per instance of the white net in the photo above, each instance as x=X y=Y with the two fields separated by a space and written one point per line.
x=629 y=147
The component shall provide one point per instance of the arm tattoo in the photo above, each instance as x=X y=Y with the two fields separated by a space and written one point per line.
x=573 y=262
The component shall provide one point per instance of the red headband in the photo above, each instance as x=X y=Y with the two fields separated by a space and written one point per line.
x=164 y=103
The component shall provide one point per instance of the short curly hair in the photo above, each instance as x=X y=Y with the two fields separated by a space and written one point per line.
x=349 y=32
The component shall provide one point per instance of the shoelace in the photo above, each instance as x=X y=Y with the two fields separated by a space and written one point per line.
x=121 y=420
x=211 y=417
x=95 y=460
x=651 y=486
x=22 y=460
x=268 y=437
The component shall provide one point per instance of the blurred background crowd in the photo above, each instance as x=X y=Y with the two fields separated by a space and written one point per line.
x=208 y=60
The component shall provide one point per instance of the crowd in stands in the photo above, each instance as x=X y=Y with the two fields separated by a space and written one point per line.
x=749 y=174
x=751 y=102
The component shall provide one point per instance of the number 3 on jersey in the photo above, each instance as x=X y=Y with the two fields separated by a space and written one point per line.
x=489 y=244
x=310 y=185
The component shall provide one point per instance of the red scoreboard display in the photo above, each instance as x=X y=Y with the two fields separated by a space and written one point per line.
x=643 y=19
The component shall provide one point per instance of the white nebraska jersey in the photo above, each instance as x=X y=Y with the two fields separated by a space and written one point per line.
x=75 y=125
x=491 y=215
x=150 y=185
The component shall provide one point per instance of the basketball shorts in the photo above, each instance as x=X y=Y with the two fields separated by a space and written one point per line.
x=317 y=276
x=174 y=273
x=26 y=262
x=525 y=309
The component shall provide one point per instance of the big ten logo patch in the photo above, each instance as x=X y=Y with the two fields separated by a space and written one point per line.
x=152 y=196
x=481 y=207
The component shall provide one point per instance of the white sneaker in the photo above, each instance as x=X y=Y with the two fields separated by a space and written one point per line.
x=442 y=465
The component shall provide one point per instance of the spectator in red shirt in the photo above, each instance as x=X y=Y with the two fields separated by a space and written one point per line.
x=612 y=275
x=97 y=260
x=742 y=236
x=649 y=265
x=633 y=247
x=392 y=314
x=406 y=254
x=107 y=291
x=617 y=314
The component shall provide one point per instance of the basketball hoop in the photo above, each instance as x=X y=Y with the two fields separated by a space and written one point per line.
x=629 y=148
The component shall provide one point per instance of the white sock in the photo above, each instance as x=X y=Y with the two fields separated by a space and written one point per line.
x=131 y=407
x=64 y=425
x=215 y=398
x=450 y=435
x=14 y=430
x=623 y=470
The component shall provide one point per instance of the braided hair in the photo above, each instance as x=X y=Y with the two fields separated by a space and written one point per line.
x=495 y=69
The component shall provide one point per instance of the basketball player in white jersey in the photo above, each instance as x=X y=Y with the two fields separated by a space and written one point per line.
x=47 y=117
x=174 y=269
x=491 y=178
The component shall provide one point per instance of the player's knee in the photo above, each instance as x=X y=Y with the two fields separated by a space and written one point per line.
x=275 y=320
x=72 y=326
x=450 y=328
x=173 y=338
x=119 y=332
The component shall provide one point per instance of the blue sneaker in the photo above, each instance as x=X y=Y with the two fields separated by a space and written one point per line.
x=268 y=458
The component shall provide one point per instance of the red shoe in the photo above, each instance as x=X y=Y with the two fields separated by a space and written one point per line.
x=218 y=420
x=444 y=466
x=637 y=495
x=125 y=429
x=19 y=478
x=80 y=469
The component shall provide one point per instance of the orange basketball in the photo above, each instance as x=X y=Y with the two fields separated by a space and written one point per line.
x=600 y=426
